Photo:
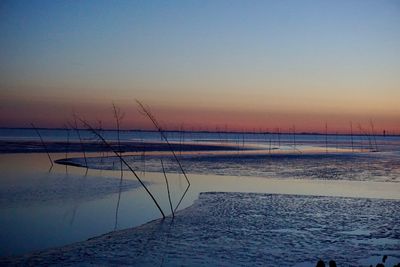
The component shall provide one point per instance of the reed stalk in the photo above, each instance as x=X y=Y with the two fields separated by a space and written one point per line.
x=100 y=129
x=326 y=138
x=75 y=127
x=144 y=110
x=279 y=137
x=169 y=194
x=118 y=201
x=351 y=136
x=66 y=148
x=371 y=123
x=366 y=136
x=43 y=144
x=91 y=129
x=118 y=117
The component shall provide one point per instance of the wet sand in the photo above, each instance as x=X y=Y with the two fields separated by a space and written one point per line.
x=246 y=229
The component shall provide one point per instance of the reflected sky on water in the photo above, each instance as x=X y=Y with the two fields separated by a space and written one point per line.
x=42 y=207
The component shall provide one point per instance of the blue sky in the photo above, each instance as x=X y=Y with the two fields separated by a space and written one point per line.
x=311 y=57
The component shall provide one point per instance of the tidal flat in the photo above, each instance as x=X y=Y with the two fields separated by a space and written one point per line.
x=250 y=203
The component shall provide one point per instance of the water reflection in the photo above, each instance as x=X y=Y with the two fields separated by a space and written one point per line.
x=41 y=209
x=119 y=199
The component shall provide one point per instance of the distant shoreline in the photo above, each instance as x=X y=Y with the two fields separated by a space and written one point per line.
x=93 y=146
x=204 y=131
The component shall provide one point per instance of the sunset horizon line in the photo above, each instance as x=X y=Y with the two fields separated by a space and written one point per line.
x=275 y=131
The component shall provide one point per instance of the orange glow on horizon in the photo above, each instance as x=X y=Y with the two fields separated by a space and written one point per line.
x=56 y=114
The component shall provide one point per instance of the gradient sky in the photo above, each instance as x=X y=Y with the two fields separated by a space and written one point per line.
x=235 y=64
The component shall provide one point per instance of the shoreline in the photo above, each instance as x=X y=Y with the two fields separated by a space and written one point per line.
x=205 y=131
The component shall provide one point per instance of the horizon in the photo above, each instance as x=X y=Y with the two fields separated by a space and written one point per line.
x=276 y=131
x=202 y=64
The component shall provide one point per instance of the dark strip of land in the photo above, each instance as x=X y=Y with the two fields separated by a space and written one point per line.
x=62 y=147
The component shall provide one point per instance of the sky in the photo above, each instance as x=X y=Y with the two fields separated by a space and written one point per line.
x=237 y=65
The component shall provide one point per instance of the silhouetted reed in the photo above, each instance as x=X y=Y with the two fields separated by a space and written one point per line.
x=118 y=201
x=279 y=137
x=270 y=146
x=326 y=138
x=294 y=137
x=351 y=136
x=146 y=111
x=181 y=139
x=91 y=129
x=371 y=123
x=66 y=148
x=75 y=127
x=118 y=116
x=367 y=136
x=169 y=195
x=43 y=144
x=100 y=129
x=337 y=141
x=294 y=140
x=143 y=156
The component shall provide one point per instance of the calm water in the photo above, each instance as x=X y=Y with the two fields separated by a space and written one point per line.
x=332 y=139
x=42 y=207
